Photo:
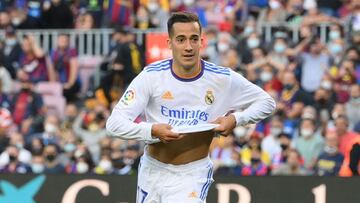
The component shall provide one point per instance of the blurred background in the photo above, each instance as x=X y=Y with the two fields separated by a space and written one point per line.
x=65 y=63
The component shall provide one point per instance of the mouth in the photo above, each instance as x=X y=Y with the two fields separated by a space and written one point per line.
x=188 y=56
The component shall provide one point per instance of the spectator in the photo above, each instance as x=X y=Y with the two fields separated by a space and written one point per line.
x=274 y=13
x=37 y=164
x=354 y=159
x=330 y=160
x=5 y=20
x=352 y=106
x=270 y=143
x=71 y=113
x=82 y=163
x=222 y=154
x=280 y=158
x=143 y=19
x=254 y=144
x=105 y=165
x=50 y=133
x=64 y=59
x=55 y=10
x=52 y=164
x=11 y=51
x=315 y=65
x=309 y=144
x=158 y=14
x=256 y=166
x=24 y=155
x=90 y=127
x=292 y=98
x=26 y=106
x=33 y=62
x=6 y=82
x=14 y=165
x=292 y=166
x=344 y=77
x=345 y=136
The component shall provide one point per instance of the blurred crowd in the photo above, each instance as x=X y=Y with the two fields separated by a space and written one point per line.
x=314 y=80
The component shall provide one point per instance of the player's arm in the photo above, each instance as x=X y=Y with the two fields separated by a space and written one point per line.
x=121 y=121
x=135 y=99
x=255 y=103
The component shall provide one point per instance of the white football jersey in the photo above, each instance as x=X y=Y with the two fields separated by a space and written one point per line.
x=164 y=97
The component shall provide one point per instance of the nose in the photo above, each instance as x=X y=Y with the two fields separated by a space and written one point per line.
x=188 y=46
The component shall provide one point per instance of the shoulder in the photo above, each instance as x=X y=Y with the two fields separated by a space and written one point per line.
x=215 y=69
x=158 y=66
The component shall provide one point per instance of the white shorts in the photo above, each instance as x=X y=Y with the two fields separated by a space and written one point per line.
x=166 y=183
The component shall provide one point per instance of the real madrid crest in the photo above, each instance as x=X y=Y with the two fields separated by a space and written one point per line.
x=209 y=97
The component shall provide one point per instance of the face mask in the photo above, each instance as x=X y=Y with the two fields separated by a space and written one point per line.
x=284 y=146
x=69 y=147
x=288 y=86
x=355 y=100
x=253 y=43
x=240 y=131
x=248 y=30
x=188 y=2
x=12 y=158
x=229 y=163
x=19 y=145
x=153 y=7
x=334 y=35
x=106 y=165
x=16 y=21
x=255 y=160
x=335 y=48
x=37 y=168
x=223 y=47
x=306 y=132
x=274 y=5
x=10 y=42
x=330 y=150
x=93 y=127
x=50 y=128
x=266 y=76
x=82 y=167
x=50 y=157
x=326 y=84
x=279 y=48
x=275 y=131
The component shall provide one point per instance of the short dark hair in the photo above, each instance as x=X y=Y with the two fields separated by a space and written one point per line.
x=181 y=17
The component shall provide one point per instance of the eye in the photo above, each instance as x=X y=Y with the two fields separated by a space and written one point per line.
x=180 y=40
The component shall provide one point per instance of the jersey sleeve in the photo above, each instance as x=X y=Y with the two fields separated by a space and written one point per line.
x=252 y=101
x=131 y=105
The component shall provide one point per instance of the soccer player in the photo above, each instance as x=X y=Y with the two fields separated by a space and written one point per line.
x=183 y=91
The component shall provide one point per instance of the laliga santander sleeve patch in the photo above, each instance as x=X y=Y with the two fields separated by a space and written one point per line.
x=128 y=97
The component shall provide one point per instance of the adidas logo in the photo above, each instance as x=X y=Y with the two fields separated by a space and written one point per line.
x=167 y=95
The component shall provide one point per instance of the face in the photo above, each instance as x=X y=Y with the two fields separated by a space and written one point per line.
x=185 y=43
x=26 y=45
x=293 y=159
x=331 y=139
x=63 y=41
x=355 y=91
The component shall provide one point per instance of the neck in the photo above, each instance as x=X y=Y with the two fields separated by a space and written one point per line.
x=186 y=73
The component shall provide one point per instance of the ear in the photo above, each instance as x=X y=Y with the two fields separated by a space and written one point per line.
x=202 y=41
x=168 y=40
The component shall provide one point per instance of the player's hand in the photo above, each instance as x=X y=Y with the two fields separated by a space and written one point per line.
x=164 y=133
x=227 y=124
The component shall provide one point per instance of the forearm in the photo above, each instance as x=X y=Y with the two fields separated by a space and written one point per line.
x=119 y=126
x=256 y=112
